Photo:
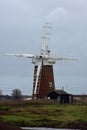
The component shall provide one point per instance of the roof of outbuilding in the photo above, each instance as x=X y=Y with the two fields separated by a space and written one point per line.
x=60 y=92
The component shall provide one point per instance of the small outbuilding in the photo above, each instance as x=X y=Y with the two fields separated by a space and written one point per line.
x=60 y=96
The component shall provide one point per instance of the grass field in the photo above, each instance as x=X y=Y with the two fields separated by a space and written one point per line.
x=41 y=113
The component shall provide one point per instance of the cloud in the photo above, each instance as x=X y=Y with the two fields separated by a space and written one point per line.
x=17 y=13
x=57 y=14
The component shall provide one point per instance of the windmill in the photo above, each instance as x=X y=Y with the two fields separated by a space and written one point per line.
x=43 y=80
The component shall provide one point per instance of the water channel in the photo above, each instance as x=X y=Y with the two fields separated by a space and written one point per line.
x=39 y=128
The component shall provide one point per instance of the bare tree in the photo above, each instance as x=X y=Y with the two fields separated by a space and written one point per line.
x=16 y=93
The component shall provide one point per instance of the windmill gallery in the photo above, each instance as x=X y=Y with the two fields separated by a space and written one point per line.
x=43 y=80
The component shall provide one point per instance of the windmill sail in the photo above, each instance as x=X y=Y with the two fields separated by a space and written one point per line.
x=26 y=55
x=45 y=37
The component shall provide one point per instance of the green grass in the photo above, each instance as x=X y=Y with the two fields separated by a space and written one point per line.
x=53 y=115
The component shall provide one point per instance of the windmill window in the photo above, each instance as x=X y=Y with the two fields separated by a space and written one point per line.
x=50 y=84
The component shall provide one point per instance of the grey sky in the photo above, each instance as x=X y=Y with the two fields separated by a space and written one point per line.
x=21 y=24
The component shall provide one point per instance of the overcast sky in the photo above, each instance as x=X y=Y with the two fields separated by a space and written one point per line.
x=21 y=23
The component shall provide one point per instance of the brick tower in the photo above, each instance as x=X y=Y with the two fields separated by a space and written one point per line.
x=45 y=82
